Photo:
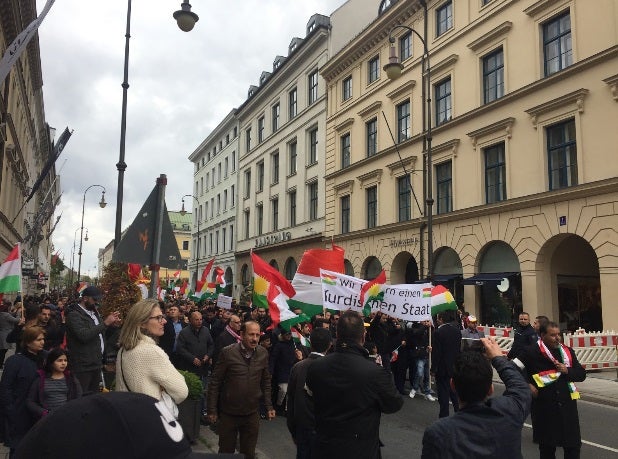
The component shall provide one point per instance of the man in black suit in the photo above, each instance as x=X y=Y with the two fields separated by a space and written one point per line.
x=300 y=418
x=446 y=347
x=350 y=393
x=174 y=324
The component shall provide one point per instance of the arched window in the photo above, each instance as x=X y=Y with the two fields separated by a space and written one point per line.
x=290 y=268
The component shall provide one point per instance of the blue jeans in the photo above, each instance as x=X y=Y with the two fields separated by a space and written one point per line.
x=421 y=375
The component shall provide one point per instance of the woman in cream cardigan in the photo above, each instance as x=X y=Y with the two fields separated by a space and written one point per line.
x=142 y=366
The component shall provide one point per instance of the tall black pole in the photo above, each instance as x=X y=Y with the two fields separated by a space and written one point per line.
x=197 y=217
x=121 y=165
x=158 y=232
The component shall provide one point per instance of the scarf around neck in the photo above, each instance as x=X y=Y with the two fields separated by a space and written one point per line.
x=544 y=378
x=233 y=333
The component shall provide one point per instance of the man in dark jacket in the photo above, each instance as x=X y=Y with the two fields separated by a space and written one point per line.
x=212 y=322
x=350 y=392
x=195 y=347
x=229 y=335
x=524 y=336
x=300 y=417
x=446 y=347
x=172 y=328
x=555 y=421
x=237 y=384
x=485 y=427
x=85 y=329
x=282 y=358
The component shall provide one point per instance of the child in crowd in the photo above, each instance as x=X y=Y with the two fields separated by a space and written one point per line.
x=373 y=352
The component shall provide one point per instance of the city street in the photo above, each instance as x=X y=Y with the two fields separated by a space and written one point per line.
x=402 y=432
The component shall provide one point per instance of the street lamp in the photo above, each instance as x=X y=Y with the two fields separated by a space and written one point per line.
x=186 y=20
x=102 y=204
x=393 y=71
x=73 y=252
x=183 y=212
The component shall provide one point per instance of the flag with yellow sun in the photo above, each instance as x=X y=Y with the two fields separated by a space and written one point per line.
x=371 y=291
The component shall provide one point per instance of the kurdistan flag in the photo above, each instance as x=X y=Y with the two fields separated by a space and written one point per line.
x=271 y=290
x=441 y=300
x=307 y=282
x=10 y=272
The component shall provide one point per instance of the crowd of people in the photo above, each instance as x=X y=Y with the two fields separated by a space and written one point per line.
x=332 y=376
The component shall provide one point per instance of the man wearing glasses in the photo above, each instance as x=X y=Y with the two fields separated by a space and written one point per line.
x=230 y=335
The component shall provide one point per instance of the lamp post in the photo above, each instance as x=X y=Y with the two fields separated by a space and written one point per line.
x=73 y=251
x=102 y=204
x=185 y=20
x=197 y=217
x=393 y=71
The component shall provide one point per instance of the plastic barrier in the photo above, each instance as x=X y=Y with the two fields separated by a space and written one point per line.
x=594 y=350
x=503 y=335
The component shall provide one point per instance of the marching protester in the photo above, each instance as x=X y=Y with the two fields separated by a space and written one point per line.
x=142 y=366
x=54 y=386
x=20 y=370
x=300 y=417
x=84 y=330
x=240 y=379
x=446 y=347
x=483 y=427
x=54 y=331
x=471 y=332
x=552 y=368
x=229 y=335
x=523 y=336
x=350 y=393
x=281 y=360
x=419 y=348
x=174 y=323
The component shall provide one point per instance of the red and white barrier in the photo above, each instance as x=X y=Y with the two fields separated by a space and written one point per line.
x=594 y=350
x=502 y=332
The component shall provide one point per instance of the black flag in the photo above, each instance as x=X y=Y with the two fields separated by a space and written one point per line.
x=58 y=147
x=136 y=246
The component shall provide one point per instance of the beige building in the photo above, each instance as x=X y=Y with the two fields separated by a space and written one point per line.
x=280 y=211
x=215 y=194
x=524 y=107
x=26 y=144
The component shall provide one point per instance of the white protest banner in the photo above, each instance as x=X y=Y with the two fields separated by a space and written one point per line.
x=411 y=302
x=224 y=302
x=341 y=292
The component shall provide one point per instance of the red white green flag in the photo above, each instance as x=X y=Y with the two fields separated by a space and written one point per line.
x=307 y=281
x=442 y=300
x=298 y=338
x=10 y=272
x=220 y=278
x=271 y=290
x=372 y=290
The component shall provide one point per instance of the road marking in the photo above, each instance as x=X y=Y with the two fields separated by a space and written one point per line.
x=596 y=445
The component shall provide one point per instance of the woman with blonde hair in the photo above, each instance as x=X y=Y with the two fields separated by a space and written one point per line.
x=142 y=366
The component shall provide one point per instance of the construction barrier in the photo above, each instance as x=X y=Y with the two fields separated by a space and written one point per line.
x=594 y=350
x=503 y=336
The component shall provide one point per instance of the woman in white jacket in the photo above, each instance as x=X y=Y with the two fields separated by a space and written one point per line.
x=142 y=366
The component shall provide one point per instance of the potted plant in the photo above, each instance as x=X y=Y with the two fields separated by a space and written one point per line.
x=190 y=410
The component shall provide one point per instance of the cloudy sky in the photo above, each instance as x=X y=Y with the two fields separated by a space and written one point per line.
x=181 y=86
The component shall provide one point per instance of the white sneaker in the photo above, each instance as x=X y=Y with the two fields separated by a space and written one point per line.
x=412 y=393
x=430 y=398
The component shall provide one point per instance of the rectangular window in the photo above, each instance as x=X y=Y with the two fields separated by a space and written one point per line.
x=233 y=161
x=275 y=213
x=210 y=237
x=403 y=121
x=562 y=155
x=293 y=155
x=212 y=207
x=275 y=163
x=345 y=150
x=218 y=203
x=260 y=219
x=217 y=242
x=231 y=237
x=233 y=196
x=260 y=176
x=224 y=200
x=444 y=182
x=235 y=132
x=493 y=75
x=495 y=174
x=247 y=183
x=226 y=167
x=345 y=214
x=444 y=18
x=293 y=103
x=557 y=44
x=248 y=140
x=372 y=207
x=404 y=195
x=313 y=201
x=347 y=88
x=313 y=146
x=247 y=221
x=185 y=245
x=405 y=46
x=219 y=173
x=202 y=186
x=372 y=137
x=373 y=69
x=261 y=129
x=212 y=177
x=276 y=112
x=292 y=197
x=223 y=240
x=313 y=87
x=443 y=101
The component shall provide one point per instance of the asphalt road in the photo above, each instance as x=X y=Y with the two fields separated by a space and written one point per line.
x=402 y=432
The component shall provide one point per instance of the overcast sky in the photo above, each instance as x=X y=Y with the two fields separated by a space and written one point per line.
x=181 y=86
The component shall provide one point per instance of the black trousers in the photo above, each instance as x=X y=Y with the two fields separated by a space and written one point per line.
x=89 y=381
x=549 y=452
x=443 y=388
x=245 y=428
